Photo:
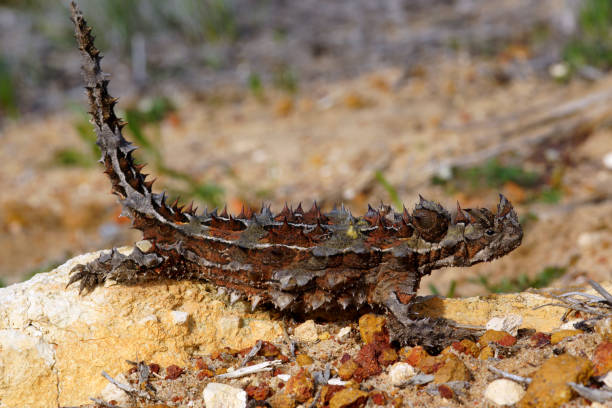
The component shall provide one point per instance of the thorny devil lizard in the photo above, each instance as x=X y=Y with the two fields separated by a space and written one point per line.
x=300 y=261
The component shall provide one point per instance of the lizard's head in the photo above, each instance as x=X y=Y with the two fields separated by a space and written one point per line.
x=488 y=236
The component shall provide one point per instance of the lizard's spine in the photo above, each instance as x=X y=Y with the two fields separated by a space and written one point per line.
x=128 y=182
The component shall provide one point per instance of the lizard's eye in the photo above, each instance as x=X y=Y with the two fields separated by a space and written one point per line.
x=490 y=232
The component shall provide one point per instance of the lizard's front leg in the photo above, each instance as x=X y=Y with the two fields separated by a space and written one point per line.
x=131 y=268
x=396 y=291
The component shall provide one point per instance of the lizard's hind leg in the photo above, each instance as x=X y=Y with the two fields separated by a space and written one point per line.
x=132 y=268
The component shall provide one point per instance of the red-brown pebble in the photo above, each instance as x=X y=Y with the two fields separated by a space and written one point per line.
x=378 y=397
x=466 y=347
x=205 y=373
x=259 y=393
x=602 y=358
x=539 y=339
x=368 y=363
x=445 y=391
x=300 y=386
x=199 y=363
x=154 y=368
x=173 y=372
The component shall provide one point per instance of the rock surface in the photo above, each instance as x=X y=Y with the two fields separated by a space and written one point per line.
x=549 y=388
x=54 y=343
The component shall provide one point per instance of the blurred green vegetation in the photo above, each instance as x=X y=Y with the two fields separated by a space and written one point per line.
x=149 y=117
x=512 y=285
x=450 y=293
x=8 y=93
x=593 y=43
x=495 y=174
x=391 y=190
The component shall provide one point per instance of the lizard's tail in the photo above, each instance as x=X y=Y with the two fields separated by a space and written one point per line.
x=128 y=182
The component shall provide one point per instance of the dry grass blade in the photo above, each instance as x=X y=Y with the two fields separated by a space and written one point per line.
x=591 y=394
x=607 y=296
x=509 y=376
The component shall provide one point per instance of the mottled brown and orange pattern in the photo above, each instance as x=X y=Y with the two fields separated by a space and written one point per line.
x=300 y=261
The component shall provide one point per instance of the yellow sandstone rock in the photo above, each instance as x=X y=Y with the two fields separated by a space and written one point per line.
x=549 y=387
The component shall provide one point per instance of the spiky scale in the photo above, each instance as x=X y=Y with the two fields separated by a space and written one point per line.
x=329 y=260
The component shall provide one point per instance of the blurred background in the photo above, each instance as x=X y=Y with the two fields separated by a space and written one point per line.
x=240 y=102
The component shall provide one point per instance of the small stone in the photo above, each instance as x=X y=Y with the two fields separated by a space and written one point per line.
x=217 y=395
x=378 y=397
x=179 y=317
x=387 y=356
x=604 y=328
x=173 y=372
x=557 y=337
x=420 y=359
x=607 y=379
x=343 y=334
x=300 y=386
x=306 y=332
x=372 y=329
x=144 y=245
x=602 y=358
x=284 y=377
x=494 y=336
x=486 y=353
x=509 y=324
x=445 y=391
x=324 y=336
x=113 y=393
x=607 y=160
x=327 y=392
x=368 y=363
x=416 y=355
x=304 y=360
x=570 y=325
x=466 y=346
x=539 y=339
x=452 y=369
x=399 y=373
x=549 y=388
x=205 y=373
x=281 y=400
x=347 y=369
x=504 y=392
x=268 y=350
x=258 y=393
x=348 y=398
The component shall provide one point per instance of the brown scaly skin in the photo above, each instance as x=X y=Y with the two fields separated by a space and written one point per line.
x=300 y=261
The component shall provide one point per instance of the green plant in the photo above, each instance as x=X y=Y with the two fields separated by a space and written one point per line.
x=510 y=285
x=449 y=293
x=44 y=268
x=593 y=43
x=392 y=191
x=74 y=157
x=256 y=86
x=137 y=119
x=494 y=174
x=8 y=94
x=286 y=79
